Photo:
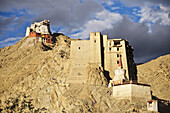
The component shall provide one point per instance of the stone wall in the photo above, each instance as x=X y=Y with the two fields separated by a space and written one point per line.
x=80 y=57
x=133 y=92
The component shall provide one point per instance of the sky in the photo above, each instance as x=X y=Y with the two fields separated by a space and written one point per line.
x=144 y=23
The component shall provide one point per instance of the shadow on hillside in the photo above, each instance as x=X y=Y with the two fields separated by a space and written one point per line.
x=163 y=105
x=45 y=47
x=106 y=74
x=54 y=35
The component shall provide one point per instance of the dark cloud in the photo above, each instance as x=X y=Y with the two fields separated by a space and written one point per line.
x=5 y=24
x=67 y=13
x=71 y=17
x=141 y=3
x=12 y=25
x=146 y=46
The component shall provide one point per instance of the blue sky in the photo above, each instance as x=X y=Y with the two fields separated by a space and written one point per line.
x=144 y=23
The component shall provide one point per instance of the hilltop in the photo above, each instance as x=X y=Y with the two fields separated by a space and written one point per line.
x=33 y=79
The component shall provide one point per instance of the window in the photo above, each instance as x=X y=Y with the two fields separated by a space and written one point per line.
x=117 y=55
x=79 y=47
x=94 y=41
x=117 y=62
x=34 y=40
x=79 y=73
x=116 y=42
x=117 y=49
x=110 y=49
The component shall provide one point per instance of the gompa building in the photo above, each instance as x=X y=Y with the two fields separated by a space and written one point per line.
x=39 y=32
x=104 y=52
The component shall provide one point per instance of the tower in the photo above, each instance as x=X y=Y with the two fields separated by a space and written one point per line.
x=95 y=48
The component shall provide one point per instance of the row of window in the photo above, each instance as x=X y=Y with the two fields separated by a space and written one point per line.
x=79 y=64
x=111 y=49
x=115 y=43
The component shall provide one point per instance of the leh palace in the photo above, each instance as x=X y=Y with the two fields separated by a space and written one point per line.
x=113 y=56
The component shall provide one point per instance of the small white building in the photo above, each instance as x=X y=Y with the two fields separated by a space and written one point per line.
x=152 y=105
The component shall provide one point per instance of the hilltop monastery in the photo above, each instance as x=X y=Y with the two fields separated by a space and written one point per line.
x=39 y=32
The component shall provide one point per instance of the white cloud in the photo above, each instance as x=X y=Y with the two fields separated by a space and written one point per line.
x=152 y=15
x=152 y=11
x=165 y=8
x=113 y=8
x=8 y=44
x=103 y=20
x=108 y=2
x=10 y=40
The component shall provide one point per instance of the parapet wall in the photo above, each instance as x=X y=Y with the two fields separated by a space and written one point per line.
x=133 y=92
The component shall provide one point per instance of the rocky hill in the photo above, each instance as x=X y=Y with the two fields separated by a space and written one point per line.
x=33 y=79
x=157 y=74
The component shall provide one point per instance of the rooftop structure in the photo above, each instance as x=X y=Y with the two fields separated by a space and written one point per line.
x=40 y=31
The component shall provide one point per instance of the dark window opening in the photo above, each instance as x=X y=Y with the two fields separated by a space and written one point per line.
x=117 y=49
x=79 y=73
x=110 y=49
x=94 y=41
x=117 y=62
x=117 y=55
x=116 y=42
x=79 y=47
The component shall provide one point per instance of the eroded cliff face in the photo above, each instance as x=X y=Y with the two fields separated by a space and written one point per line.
x=33 y=79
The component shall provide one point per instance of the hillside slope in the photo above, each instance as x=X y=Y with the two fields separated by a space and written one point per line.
x=33 y=76
x=33 y=79
x=157 y=74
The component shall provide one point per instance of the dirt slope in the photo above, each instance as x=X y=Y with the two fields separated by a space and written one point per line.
x=33 y=79
x=157 y=74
